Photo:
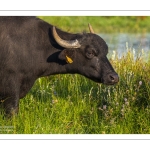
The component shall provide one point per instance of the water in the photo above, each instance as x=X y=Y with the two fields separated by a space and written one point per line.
x=119 y=42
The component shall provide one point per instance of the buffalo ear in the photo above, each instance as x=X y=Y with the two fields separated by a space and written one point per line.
x=67 y=55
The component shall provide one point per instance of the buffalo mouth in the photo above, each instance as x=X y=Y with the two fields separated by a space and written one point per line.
x=109 y=79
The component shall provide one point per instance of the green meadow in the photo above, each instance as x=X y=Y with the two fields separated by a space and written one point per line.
x=72 y=104
x=101 y=24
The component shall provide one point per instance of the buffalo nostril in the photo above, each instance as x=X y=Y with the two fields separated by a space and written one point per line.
x=114 y=78
x=111 y=78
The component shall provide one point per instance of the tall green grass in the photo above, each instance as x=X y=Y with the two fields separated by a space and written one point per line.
x=72 y=104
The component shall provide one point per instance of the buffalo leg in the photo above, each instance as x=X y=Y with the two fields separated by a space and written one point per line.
x=10 y=104
x=9 y=93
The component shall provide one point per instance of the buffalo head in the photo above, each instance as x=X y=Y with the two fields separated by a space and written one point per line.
x=87 y=55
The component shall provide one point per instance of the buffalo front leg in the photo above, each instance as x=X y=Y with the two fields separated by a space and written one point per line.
x=10 y=104
x=9 y=93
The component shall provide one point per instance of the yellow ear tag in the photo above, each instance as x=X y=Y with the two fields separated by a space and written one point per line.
x=69 y=60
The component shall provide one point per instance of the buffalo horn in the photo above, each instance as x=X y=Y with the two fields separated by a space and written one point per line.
x=91 y=29
x=65 y=43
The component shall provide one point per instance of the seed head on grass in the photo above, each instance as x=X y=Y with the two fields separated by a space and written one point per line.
x=113 y=55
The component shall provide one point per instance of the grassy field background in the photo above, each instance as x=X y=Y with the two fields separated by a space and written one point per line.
x=101 y=24
x=72 y=104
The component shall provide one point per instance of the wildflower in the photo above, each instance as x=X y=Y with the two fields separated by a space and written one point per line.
x=140 y=83
x=122 y=111
x=117 y=104
x=54 y=101
x=125 y=99
x=104 y=107
x=126 y=103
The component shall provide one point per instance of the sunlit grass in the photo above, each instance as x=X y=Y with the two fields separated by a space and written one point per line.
x=72 y=104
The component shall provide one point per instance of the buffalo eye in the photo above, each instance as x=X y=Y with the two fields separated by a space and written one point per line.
x=90 y=54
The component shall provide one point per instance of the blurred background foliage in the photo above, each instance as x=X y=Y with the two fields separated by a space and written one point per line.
x=101 y=24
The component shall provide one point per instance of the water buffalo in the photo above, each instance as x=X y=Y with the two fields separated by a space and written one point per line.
x=31 y=48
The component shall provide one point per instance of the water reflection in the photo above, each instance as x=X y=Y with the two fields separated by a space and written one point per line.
x=118 y=42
